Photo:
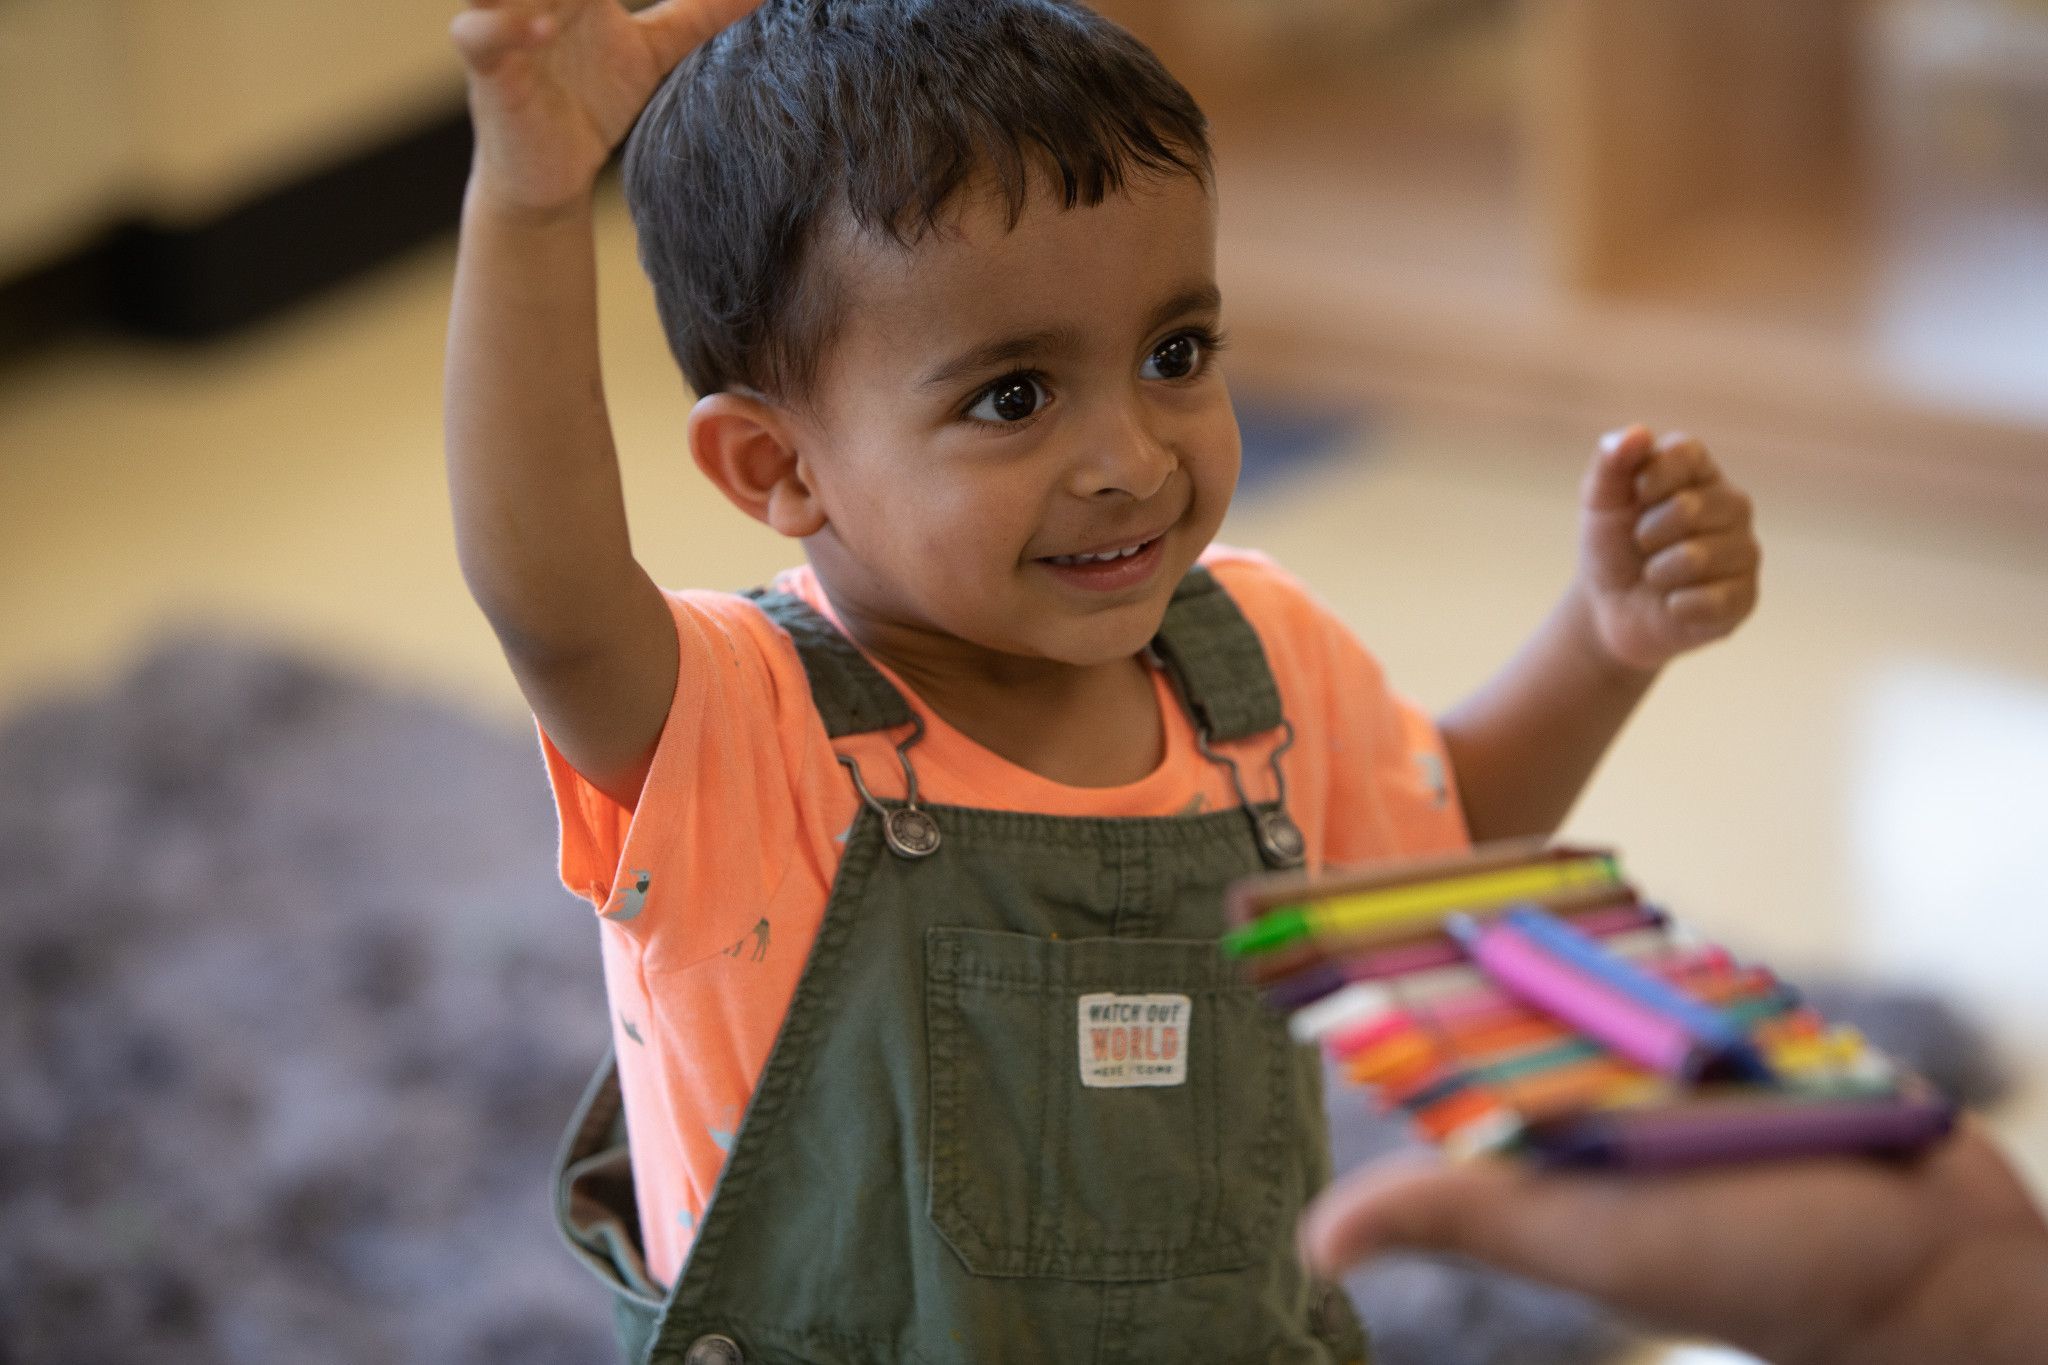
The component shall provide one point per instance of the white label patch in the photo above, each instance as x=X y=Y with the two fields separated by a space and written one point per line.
x=1134 y=1040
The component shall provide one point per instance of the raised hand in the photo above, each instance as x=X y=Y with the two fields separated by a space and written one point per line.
x=554 y=85
x=1668 y=556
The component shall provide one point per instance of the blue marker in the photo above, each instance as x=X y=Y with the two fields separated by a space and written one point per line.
x=1720 y=1038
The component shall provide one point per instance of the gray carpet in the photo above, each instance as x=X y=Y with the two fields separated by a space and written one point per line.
x=292 y=1009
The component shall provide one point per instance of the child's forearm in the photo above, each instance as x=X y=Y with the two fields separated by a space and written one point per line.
x=1524 y=746
x=540 y=517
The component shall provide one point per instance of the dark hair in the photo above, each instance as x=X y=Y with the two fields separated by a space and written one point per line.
x=874 y=113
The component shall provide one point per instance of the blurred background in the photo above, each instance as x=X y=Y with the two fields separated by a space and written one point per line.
x=274 y=846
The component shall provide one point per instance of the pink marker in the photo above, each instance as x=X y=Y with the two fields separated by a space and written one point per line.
x=1462 y=996
x=1348 y=1042
x=1401 y=959
x=1606 y=1015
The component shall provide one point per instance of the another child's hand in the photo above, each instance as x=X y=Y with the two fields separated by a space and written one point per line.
x=554 y=85
x=1668 y=556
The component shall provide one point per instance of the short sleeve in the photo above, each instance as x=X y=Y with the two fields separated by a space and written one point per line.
x=1371 y=764
x=593 y=826
x=1408 y=781
x=722 y=795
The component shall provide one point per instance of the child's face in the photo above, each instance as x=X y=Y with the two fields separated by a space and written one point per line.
x=999 y=402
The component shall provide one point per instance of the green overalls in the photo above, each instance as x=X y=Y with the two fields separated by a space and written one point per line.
x=1022 y=1108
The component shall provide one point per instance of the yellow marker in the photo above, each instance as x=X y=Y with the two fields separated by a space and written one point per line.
x=1631 y=1094
x=1830 y=1052
x=1401 y=907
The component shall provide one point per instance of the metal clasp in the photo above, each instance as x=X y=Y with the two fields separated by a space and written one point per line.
x=1280 y=840
x=909 y=831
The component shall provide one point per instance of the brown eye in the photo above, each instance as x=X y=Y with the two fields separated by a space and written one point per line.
x=1012 y=398
x=1175 y=359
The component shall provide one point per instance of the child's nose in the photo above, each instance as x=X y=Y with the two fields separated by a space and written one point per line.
x=1124 y=457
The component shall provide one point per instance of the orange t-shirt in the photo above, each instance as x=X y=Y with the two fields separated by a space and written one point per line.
x=713 y=890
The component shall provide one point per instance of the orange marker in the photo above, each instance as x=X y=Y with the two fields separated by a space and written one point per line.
x=1460 y=1110
x=1392 y=1058
x=1580 y=1086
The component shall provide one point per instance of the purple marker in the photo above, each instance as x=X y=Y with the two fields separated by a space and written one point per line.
x=1720 y=1132
x=1305 y=987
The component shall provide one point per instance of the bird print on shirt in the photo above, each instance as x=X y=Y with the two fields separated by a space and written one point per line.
x=723 y=1132
x=627 y=902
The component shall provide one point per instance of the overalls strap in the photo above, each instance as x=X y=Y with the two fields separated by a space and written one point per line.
x=852 y=696
x=1215 y=659
x=1205 y=644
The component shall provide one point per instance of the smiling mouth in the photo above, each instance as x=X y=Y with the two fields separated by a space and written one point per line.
x=1103 y=556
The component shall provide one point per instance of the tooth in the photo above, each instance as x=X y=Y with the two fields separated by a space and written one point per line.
x=1101 y=557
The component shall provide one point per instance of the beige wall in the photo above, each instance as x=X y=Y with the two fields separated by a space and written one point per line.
x=181 y=108
x=64 y=148
x=232 y=95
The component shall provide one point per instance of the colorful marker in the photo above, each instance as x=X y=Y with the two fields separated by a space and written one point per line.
x=1352 y=1004
x=1519 y=999
x=1717 y=1132
x=1404 y=907
x=1711 y=1032
x=1622 y=926
x=1643 y=1034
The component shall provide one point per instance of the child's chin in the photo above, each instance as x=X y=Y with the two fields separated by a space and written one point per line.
x=1112 y=639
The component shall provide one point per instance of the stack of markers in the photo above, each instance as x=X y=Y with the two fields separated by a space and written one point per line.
x=1524 y=999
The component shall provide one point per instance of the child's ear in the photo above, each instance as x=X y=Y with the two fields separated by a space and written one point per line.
x=747 y=448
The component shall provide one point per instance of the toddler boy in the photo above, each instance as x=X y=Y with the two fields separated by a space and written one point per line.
x=910 y=869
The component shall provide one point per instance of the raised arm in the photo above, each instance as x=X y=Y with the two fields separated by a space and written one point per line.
x=540 y=520
x=1668 y=562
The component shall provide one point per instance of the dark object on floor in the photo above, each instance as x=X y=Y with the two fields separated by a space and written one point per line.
x=292 y=1010
x=291 y=1014
x=252 y=260
x=203 y=280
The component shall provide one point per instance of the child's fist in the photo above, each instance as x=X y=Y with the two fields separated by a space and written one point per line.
x=1668 y=557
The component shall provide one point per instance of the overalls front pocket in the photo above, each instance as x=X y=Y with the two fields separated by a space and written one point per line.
x=1105 y=1109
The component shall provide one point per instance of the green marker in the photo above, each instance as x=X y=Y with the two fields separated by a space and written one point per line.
x=1275 y=929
